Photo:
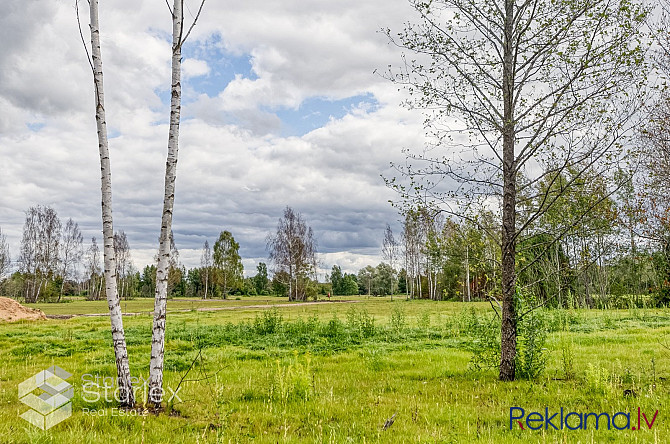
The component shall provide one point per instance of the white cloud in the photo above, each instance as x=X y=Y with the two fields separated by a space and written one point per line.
x=194 y=68
x=234 y=171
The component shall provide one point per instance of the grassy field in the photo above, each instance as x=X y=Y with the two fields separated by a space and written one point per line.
x=336 y=372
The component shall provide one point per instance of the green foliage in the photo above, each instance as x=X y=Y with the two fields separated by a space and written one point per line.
x=261 y=281
x=568 y=360
x=276 y=375
x=343 y=284
x=483 y=341
x=398 y=319
x=531 y=356
x=228 y=263
x=292 y=381
x=661 y=297
x=360 y=323
x=482 y=335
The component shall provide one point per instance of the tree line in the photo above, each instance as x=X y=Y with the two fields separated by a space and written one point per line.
x=54 y=262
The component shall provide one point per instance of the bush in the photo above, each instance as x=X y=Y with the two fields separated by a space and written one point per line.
x=531 y=356
x=483 y=340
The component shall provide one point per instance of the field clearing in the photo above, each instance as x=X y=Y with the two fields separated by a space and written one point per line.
x=335 y=372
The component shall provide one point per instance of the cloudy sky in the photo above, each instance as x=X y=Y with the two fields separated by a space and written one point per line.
x=281 y=107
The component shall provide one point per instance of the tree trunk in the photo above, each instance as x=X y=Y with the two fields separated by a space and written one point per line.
x=509 y=316
x=206 y=281
x=467 y=269
x=126 y=394
x=160 y=303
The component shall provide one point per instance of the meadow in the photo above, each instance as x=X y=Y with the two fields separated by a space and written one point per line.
x=361 y=370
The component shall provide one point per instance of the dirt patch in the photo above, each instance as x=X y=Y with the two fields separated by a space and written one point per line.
x=11 y=311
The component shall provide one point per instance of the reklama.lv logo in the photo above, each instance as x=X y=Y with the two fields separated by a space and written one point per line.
x=578 y=421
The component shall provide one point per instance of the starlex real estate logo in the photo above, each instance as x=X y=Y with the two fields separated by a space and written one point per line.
x=53 y=405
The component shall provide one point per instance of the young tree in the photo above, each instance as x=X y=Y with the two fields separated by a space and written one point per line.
x=228 y=261
x=127 y=396
x=520 y=84
x=162 y=273
x=71 y=252
x=293 y=251
x=205 y=264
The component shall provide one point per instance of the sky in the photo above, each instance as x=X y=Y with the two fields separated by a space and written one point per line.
x=281 y=106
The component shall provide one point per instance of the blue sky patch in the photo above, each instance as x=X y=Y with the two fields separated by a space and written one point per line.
x=315 y=112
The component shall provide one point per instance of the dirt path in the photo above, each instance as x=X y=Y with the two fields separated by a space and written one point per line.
x=186 y=310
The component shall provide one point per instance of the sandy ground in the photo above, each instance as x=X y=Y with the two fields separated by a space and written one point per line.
x=11 y=311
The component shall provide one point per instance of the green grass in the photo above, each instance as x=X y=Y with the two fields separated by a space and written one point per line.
x=335 y=372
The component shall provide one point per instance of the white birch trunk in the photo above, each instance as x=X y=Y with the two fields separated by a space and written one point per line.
x=206 y=281
x=467 y=270
x=127 y=396
x=160 y=305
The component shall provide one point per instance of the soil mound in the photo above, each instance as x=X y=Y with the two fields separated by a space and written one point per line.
x=11 y=311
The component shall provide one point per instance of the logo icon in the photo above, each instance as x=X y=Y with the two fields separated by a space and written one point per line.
x=52 y=404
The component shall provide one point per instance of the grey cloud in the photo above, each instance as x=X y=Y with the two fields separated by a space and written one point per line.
x=233 y=173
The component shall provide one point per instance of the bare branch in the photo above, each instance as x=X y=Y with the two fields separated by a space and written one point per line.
x=195 y=20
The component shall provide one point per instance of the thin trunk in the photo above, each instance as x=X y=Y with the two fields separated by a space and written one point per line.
x=160 y=305
x=509 y=315
x=206 y=282
x=558 y=276
x=126 y=394
x=467 y=270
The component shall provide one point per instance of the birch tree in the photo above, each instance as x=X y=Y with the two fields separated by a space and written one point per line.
x=162 y=273
x=126 y=395
x=5 y=258
x=124 y=263
x=206 y=264
x=228 y=262
x=92 y=266
x=390 y=252
x=70 y=252
x=39 y=250
x=516 y=90
x=293 y=252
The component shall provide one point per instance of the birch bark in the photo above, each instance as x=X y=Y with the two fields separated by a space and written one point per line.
x=160 y=304
x=126 y=395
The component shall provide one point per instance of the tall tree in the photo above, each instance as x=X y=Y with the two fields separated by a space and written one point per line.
x=93 y=270
x=336 y=280
x=228 y=262
x=365 y=279
x=71 y=252
x=261 y=280
x=653 y=207
x=124 y=263
x=206 y=264
x=162 y=273
x=293 y=251
x=519 y=84
x=39 y=249
x=126 y=395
